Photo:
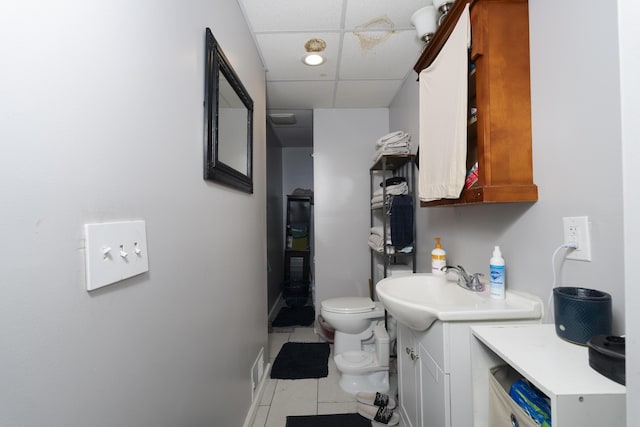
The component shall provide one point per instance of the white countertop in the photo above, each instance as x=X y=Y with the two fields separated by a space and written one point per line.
x=554 y=365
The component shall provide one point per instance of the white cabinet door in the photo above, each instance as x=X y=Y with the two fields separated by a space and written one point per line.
x=435 y=392
x=408 y=376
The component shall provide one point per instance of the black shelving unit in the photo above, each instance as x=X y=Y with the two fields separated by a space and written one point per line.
x=297 y=254
x=391 y=166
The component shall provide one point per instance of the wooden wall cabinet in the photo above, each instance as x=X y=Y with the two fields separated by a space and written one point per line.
x=499 y=139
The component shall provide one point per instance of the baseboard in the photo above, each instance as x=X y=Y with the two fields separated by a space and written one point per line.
x=276 y=307
x=253 y=410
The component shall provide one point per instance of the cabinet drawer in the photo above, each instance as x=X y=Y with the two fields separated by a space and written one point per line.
x=503 y=411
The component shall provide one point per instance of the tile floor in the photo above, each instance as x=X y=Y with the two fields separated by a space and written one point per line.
x=302 y=397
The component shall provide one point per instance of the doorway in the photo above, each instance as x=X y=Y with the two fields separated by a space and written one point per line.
x=289 y=168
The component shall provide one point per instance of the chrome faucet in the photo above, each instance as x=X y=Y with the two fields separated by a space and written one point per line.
x=466 y=281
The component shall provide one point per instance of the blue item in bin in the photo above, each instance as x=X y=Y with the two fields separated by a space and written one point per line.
x=532 y=403
x=299 y=230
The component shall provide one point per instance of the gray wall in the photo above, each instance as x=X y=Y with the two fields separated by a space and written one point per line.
x=344 y=145
x=297 y=168
x=275 y=221
x=102 y=120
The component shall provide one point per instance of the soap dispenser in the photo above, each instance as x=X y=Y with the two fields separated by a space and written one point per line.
x=438 y=258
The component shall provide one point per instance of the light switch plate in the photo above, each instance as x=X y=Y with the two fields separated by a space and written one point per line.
x=115 y=251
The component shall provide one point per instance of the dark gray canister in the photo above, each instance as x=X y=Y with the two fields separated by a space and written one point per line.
x=581 y=313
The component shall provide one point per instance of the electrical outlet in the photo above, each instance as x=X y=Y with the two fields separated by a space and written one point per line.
x=576 y=229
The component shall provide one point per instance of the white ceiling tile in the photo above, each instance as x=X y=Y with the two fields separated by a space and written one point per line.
x=300 y=94
x=366 y=93
x=283 y=53
x=371 y=13
x=379 y=55
x=293 y=15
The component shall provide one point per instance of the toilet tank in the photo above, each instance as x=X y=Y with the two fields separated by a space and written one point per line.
x=382 y=344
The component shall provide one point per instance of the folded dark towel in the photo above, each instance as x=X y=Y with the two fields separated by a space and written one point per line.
x=401 y=221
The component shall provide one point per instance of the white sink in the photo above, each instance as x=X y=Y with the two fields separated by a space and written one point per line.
x=419 y=300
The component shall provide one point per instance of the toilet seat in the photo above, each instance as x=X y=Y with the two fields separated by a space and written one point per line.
x=348 y=305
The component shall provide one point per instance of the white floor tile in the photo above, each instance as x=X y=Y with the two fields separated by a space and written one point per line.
x=337 y=408
x=329 y=389
x=269 y=390
x=304 y=335
x=275 y=344
x=261 y=416
x=292 y=397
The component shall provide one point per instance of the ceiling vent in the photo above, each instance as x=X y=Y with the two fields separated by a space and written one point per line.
x=283 y=118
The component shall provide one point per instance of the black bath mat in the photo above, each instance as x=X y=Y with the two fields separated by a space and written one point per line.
x=298 y=360
x=334 y=420
x=294 y=316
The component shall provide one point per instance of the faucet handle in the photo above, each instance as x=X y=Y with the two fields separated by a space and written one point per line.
x=475 y=283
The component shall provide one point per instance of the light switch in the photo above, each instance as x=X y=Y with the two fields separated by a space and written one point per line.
x=115 y=251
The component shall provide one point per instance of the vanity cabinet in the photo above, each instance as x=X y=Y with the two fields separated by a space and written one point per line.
x=434 y=373
x=579 y=396
x=499 y=101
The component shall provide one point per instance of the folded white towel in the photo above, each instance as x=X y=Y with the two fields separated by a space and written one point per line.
x=443 y=117
x=400 y=142
x=377 y=205
x=378 y=231
x=375 y=243
x=390 y=137
x=405 y=149
x=394 y=189
x=378 y=198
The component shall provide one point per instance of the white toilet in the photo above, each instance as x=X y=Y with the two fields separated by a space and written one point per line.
x=363 y=364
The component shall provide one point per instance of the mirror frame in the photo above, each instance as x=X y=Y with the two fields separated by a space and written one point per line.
x=214 y=169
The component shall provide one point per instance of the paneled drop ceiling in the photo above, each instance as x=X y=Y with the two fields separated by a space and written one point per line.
x=371 y=48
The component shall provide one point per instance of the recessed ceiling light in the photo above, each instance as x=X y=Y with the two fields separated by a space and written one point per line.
x=313 y=59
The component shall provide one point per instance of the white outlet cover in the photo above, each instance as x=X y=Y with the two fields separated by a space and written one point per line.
x=115 y=251
x=582 y=234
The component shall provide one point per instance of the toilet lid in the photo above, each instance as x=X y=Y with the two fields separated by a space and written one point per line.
x=348 y=305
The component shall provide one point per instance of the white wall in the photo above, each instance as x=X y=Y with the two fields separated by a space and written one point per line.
x=344 y=145
x=575 y=103
x=102 y=120
x=629 y=14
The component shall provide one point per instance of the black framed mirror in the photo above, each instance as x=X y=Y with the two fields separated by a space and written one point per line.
x=228 y=145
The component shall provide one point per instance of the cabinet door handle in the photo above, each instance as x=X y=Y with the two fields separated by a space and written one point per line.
x=412 y=354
